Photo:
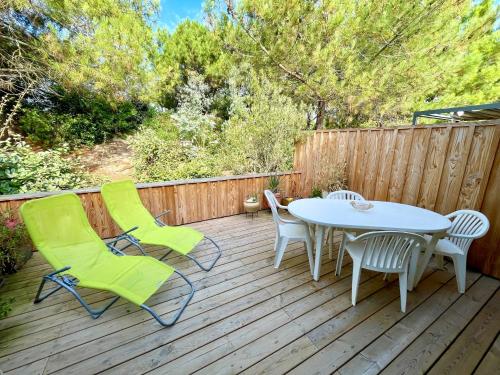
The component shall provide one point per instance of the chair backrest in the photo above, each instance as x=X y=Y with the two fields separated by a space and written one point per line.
x=345 y=195
x=271 y=200
x=126 y=208
x=388 y=251
x=471 y=223
x=60 y=230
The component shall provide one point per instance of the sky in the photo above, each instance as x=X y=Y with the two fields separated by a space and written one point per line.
x=174 y=12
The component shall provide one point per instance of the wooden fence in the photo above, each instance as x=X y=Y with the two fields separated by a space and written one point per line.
x=442 y=168
x=189 y=200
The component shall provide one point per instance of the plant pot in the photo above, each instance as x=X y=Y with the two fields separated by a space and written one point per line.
x=251 y=207
x=276 y=195
x=287 y=200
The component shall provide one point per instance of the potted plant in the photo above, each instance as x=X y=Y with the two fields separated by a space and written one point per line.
x=316 y=192
x=15 y=245
x=251 y=204
x=273 y=185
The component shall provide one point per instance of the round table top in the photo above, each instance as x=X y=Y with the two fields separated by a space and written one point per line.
x=383 y=216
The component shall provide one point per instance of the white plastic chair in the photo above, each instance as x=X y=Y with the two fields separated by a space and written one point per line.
x=387 y=252
x=467 y=225
x=288 y=230
x=340 y=195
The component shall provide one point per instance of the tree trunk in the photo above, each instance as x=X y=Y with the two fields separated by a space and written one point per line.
x=320 y=114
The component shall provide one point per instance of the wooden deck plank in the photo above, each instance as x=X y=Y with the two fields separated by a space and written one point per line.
x=421 y=353
x=332 y=348
x=378 y=354
x=469 y=348
x=490 y=364
x=247 y=316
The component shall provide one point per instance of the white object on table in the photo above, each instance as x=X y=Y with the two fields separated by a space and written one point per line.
x=327 y=213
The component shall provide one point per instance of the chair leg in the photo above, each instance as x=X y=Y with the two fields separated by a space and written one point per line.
x=356 y=273
x=94 y=313
x=340 y=256
x=276 y=240
x=439 y=261
x=208 y=268
x=459 y=263
x=403 y=285
x=283 y=243
x=331 y=234
x=177 y=315
x=310 y=256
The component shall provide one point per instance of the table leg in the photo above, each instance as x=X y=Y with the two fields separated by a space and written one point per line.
x=320 y=232
x=424 y=262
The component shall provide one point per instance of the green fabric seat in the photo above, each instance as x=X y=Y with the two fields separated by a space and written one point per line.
x=61 y=232
x=126 y=209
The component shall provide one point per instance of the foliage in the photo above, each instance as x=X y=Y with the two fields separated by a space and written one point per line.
x=24 y=170
x=196 y=125
x=5 y=306
x=332 y=176
x=273 y=183
x=316 y=192
x=368 y=62
x=78 y=119
x=13 y=239
x=263 y=128
x=160 y=158
x=191 y=48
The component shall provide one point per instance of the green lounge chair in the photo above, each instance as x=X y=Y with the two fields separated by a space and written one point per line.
x=61 y=232
x=126 y=209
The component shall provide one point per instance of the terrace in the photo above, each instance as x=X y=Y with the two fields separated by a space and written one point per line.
x=247 y=316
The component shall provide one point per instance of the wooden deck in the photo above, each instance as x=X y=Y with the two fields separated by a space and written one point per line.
x=248 y=317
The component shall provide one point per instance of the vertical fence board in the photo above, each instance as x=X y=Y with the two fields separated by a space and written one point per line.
x=399 y=166
x=433 y=169
x=385 y=164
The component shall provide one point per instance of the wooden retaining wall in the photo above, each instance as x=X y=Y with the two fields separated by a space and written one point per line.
x=442 y=168
x=190 y=200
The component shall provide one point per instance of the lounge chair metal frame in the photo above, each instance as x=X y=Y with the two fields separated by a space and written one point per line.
x=137 y=243
x=69 y=283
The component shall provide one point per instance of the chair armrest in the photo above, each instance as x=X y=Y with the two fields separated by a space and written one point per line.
x=458 y=235
x=122 y=236
x=281 y=206
x=287 y=221
x=350 y=236
x=158 y=220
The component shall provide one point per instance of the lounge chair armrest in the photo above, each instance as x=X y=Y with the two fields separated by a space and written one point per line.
x=160 y=222
x=58 y=271
x=122 y=236
x=162 y=213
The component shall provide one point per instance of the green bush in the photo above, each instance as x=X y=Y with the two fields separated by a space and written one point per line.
x=14 y=241
x=262 y=130
x=159 y=157
x=80 y=119
x=24 y=170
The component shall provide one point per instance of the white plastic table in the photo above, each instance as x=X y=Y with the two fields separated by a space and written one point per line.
x=383 y=216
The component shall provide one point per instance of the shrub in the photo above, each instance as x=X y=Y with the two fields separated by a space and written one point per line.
x=24 y=170
x=15 y=246
x=163 y=158
x=80 y=119
x=262 y=130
